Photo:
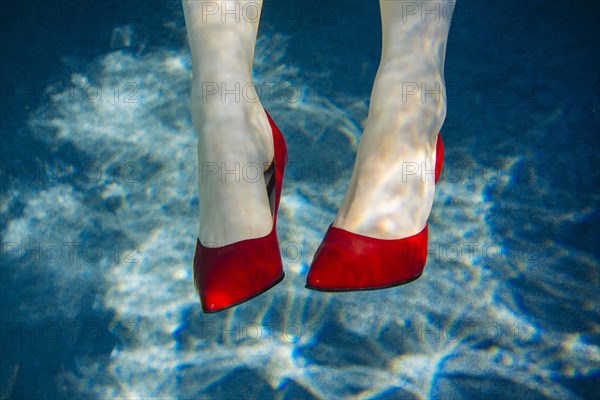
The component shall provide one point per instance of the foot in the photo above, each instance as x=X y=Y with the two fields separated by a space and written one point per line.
x=235 y=150
x=391 y=191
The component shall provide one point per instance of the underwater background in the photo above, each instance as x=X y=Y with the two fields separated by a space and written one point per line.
x=99 y=210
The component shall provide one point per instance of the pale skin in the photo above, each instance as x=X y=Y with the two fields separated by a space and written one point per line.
x=390 y=194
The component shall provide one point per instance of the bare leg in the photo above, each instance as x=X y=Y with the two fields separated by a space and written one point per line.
x=392 y=186
x=235 y=144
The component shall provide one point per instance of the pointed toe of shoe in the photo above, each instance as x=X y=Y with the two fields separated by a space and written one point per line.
x=346 y=261
x=228 y=276
x=218 y=299
x=325 y=271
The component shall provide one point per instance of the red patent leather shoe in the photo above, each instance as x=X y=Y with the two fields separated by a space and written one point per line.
x=230 y=275
x=347 y=261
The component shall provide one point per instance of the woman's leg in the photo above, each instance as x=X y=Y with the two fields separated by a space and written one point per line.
x=235 y=141
x=392 y=186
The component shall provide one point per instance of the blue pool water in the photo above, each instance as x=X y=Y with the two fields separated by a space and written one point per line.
x=99 y=209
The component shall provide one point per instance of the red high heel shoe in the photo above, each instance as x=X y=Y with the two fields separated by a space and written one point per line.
x=347 y=261
x=230 y=275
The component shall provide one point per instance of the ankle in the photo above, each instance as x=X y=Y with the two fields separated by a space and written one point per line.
x=233 y=133
x=412 y=121
x=419 y=95
x=210 y=115
x=233 y=91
